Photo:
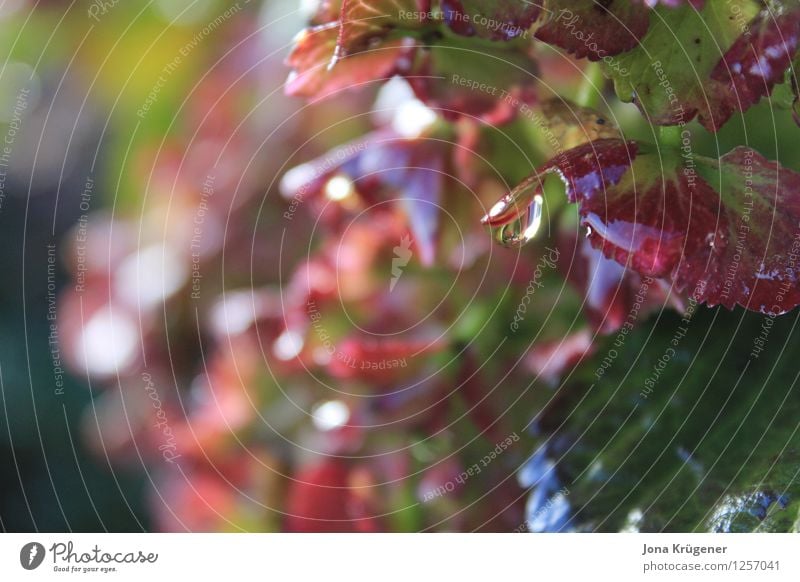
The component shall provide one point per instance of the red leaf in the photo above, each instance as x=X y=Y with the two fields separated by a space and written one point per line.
x=366 y=44
x=594 y=30
x=492 y=19
x=365 y=20
x=314 y=73
x=360 y=356
x=753 y=259
x=752 y=67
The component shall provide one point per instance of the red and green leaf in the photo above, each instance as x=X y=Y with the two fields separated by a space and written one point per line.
x=352 y=43
x=707 y=63
x=755 y=63
x=727 y=230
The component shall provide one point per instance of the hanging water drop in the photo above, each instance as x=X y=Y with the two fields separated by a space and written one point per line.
x=516 y=219
x=534 y=219
x=524 y=228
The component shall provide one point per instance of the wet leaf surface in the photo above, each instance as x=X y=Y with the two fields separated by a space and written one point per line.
x=706 y=442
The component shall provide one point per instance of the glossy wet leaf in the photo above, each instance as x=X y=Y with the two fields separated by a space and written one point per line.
x=613 y=296
x=561 y=125
x=725 y=231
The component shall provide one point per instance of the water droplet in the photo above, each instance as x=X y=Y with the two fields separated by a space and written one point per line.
x=744 y=512
x=516 y=219
x=524 y=228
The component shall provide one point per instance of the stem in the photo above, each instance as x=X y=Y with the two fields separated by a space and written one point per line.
x=670 y=136
x=592 y=86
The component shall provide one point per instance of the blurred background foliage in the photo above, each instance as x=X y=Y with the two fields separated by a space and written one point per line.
x=714 y=447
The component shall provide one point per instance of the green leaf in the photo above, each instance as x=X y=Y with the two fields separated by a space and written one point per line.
x=708 y=441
